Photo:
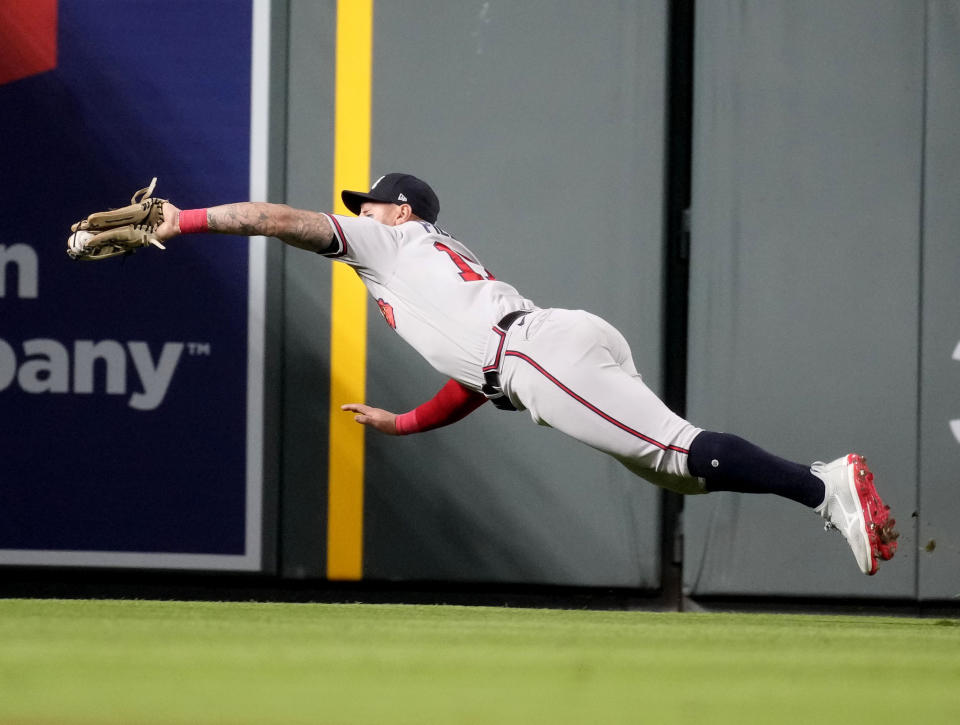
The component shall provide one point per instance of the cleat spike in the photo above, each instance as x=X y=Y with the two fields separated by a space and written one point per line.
x=871 y=533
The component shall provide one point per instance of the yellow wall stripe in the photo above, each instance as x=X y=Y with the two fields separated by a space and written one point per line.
x=348 y=310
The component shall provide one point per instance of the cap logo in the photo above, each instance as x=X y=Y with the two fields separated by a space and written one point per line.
x=401 y=197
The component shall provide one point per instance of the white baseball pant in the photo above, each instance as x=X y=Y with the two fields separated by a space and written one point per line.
x=573 y=371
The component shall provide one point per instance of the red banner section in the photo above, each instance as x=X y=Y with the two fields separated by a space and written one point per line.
x=28 y=38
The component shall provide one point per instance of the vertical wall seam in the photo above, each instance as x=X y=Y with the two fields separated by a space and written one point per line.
x=678 y=139
x=921 y=238
x=277 y=185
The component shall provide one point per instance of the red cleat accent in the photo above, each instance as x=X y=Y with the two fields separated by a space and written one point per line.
x=876 y=514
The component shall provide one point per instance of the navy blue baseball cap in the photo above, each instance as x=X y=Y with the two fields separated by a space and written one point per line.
x=397 y=189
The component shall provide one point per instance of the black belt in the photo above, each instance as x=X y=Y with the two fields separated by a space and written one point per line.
x=491 y=387
x=510 y=318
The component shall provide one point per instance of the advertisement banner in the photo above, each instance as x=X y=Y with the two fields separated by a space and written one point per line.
x=130 y=389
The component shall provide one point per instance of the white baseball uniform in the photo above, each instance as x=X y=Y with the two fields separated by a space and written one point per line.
x=570 y=369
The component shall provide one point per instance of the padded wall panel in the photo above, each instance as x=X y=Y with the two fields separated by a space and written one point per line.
x=805 y=276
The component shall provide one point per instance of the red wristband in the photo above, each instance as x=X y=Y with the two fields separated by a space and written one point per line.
x=406 y=423
x=193 y=221
x=449 y=405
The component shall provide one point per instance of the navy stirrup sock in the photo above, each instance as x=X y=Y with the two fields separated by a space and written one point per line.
x=729 y=463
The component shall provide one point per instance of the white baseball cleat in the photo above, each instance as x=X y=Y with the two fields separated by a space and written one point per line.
x=853 y=506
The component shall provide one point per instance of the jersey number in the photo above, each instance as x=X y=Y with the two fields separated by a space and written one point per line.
x=468 y=273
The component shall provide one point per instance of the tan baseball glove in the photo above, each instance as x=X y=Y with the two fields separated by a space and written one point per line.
x=113 y=233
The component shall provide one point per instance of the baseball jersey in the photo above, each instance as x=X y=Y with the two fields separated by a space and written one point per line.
x=430 y=289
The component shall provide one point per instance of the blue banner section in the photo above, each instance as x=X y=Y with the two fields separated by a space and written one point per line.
x=123 y=384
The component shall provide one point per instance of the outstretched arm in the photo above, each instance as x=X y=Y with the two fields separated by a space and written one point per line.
x=452 y=403
x=308 y=230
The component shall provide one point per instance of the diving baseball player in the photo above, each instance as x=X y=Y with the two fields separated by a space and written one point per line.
x=568 y=369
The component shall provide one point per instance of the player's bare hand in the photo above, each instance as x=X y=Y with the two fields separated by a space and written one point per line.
x=377 y=418
x=171 y=222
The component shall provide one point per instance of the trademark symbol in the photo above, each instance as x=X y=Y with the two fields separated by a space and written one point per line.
x=201 y=349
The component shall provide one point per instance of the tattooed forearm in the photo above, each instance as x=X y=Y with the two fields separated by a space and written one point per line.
x=308 y=230
x=304 y=229
x=249 y=220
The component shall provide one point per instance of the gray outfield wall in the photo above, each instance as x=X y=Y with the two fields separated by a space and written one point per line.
x=823 y=292
x=543 y=134
x=824 y=285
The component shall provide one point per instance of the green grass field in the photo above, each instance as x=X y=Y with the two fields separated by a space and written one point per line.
x=185 y=662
